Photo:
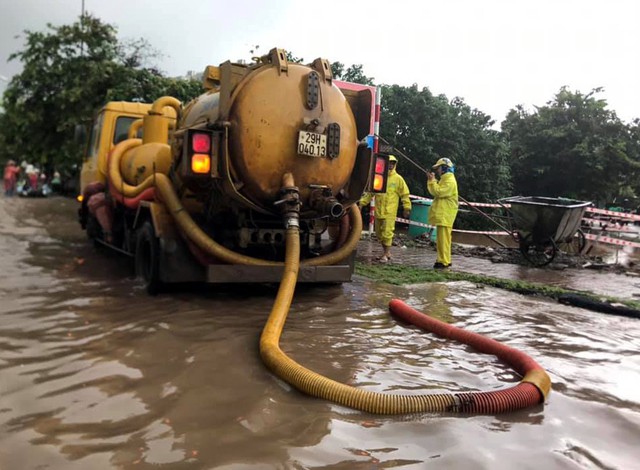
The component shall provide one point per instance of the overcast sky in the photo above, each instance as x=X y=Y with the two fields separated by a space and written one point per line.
x=494 y=54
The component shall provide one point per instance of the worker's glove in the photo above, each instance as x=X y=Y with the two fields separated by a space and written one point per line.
x=406 y=214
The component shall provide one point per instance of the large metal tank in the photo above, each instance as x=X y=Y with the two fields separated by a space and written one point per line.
x=269 y=112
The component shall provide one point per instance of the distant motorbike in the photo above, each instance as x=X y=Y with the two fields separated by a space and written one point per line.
x=24 y=189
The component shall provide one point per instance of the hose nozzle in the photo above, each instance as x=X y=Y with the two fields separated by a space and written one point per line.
x=322 y=200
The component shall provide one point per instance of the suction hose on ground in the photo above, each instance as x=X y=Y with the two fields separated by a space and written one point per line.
x=532 y=390
x=168 y=195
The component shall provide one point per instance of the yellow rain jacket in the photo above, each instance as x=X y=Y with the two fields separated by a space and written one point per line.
x=387 y=206
x=387 y=203
x=444 y=209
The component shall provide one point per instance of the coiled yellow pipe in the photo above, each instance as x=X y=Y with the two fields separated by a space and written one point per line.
x=315 y=384
x=196 y=234
x=526 y=393
x=115 y=178
x=286 y=368
x=210 y=246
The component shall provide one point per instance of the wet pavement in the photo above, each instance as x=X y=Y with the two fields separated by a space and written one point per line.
x=94 y=374
x=605 y=283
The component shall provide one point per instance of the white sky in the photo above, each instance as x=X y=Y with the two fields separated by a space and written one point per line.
x=494 y=54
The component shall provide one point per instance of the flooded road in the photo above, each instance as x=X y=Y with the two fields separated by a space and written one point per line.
x=95 y=374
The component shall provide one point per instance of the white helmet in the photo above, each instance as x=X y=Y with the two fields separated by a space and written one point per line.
x=443 y=161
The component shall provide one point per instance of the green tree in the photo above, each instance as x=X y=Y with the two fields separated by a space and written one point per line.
x=572 y=147
x=68 y=73
x=62 y=70
x=352 y=74
x=425 y=127
x=294 y=59
x=337 y=69
x=634 y=152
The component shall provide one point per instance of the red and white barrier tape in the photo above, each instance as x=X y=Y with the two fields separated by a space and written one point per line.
x=588 y=236
x=611 y=241
x=608 y=228
x=462 y=203
x=420 y=224
x=621 y=215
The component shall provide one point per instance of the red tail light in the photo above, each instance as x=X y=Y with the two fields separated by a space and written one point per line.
x=201 y=150
x=201 y=143
x=380 y=174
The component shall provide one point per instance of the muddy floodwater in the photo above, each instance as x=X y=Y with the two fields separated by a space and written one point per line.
x=94 y=374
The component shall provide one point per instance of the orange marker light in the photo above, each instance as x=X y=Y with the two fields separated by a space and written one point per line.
x=378 y=183
x=200 y=163
x=80 y=198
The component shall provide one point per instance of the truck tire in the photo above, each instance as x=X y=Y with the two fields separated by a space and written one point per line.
x=94 y=231
x=147 y=258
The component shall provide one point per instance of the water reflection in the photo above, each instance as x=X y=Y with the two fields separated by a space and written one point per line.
x=95 y=374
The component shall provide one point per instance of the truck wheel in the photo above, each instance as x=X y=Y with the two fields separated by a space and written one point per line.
x=147 y=258
x=93 y=230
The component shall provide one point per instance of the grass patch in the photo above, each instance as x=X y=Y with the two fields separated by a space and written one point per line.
x=398 y=274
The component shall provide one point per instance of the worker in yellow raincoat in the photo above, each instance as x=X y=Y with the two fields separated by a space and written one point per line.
x=387 y=208
x=442 y=185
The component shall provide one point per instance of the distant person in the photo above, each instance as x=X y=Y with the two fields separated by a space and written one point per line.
x=387 y=208
x=32 y=177
x=56 y=183
x=10 y=179
x=442 y=185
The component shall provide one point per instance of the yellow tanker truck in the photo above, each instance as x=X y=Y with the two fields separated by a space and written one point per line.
x=207 y=191
x=257 y=180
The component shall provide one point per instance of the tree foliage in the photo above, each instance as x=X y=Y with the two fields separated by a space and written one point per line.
x=573 y=147
x=68 y=73
x=353 y=73
x=425 y=127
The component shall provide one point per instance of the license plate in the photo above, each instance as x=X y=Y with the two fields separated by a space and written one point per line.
x=312 y=144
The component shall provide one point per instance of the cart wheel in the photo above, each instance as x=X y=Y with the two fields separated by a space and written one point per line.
x=576 y=245
x=538 y=254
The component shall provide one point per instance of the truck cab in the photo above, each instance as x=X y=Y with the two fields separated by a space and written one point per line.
x=110 y=126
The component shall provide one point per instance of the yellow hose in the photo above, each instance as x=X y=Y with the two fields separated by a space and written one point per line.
x=196 y=234
x=210 y=246
x=526 y=393
x=315 y=384
x=115 y=178
x=284 y=367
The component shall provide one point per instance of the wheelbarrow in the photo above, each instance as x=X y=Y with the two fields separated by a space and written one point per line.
x=542 y=226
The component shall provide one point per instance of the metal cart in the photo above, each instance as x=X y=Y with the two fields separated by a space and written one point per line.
x=542 y=226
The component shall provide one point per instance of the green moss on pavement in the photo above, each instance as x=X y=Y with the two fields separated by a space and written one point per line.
x=400 y=274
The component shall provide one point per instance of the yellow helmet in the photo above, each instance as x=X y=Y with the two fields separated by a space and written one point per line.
x=392 y=158
x=443 y=161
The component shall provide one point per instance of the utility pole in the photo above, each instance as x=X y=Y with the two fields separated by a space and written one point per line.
x=82 y=30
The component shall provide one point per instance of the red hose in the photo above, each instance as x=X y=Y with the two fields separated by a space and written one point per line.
x=533 y=388
x=148 y=194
